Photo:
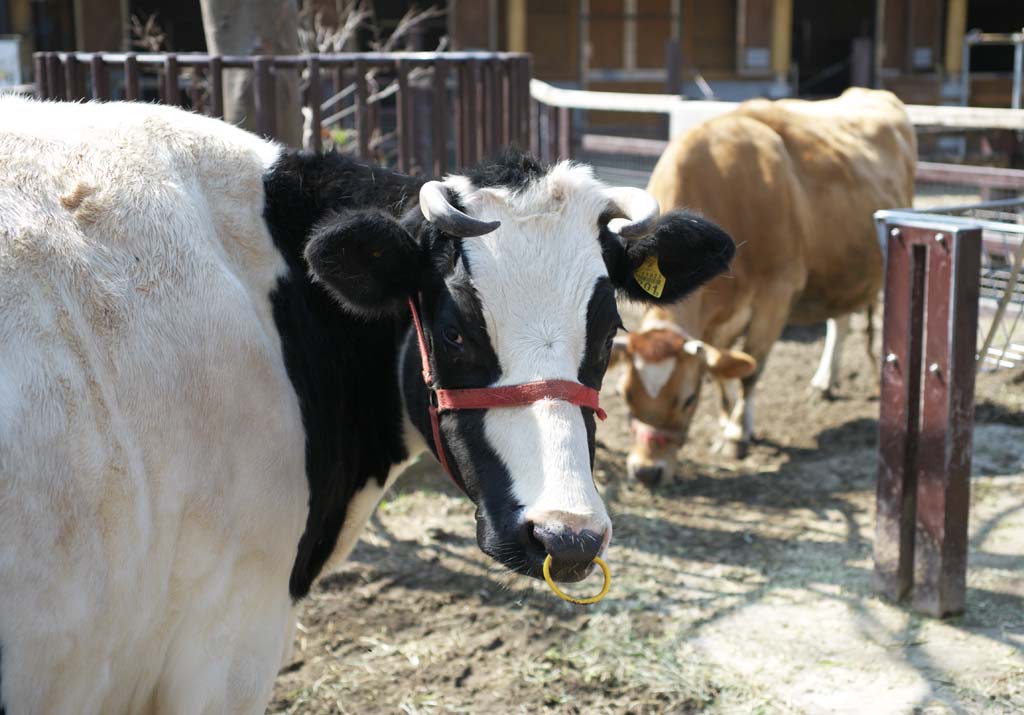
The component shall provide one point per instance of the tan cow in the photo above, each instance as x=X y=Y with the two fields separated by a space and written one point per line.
x=795 y=183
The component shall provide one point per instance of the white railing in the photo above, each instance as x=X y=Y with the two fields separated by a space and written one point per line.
x=684 y=113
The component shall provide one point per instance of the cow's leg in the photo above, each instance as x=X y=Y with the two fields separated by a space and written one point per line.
x=826 y=378
x=736 y=418
x=770 y=311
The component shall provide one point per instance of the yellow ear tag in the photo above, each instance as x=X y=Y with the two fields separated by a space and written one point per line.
x=649 y=276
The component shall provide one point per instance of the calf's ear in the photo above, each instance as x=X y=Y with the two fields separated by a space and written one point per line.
x=366 y=260
x=684 y=252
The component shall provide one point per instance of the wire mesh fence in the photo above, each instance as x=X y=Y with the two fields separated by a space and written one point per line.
x=1001 y=299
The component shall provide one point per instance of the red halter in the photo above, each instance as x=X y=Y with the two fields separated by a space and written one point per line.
x=490 y=397
x=658 y=436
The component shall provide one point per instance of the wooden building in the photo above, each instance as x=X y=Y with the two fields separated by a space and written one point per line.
x=744 y=48
x=734 y=49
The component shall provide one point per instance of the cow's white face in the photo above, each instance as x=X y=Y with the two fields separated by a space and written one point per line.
x=550 y=317
x=529 y=297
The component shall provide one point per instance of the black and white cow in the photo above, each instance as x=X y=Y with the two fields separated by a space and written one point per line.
x=208 y=380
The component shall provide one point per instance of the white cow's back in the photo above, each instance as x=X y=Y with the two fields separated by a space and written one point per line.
x=151 y=451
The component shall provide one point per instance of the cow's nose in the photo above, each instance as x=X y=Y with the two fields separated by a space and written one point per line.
x=649 y=476
x=572 y=551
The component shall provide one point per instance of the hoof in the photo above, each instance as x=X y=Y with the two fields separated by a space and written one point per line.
x=730 y=449
x=827 y=394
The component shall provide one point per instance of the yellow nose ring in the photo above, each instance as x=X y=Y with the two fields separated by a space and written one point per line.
x=572 y=599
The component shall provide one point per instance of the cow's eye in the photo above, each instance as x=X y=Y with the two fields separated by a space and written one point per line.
x=689 y=401
x=452 y=336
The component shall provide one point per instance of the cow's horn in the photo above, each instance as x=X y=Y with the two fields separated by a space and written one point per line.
x=634 y=212
x=436 y=209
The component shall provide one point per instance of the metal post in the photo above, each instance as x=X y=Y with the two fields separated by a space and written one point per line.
x=216 y=86
x=947 y=421
x=899 y=416
x=507 y=74
x=468 y=85
x=965 y=70
x=131 y=76
x=459 y=114
x=54 y=76
x=526 y=105
x=440 y=111
x=1018 y=69
x=551 y=138
x=362 y=120
x=263 y=96
x=170 y=88
x=926 y=415
x=403 y=114
x=564 y=133
x=313 y=102
x=42 y=90
x=71 y=83
x=479 y=126
x=100 y=88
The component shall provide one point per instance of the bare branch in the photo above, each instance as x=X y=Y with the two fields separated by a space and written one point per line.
x=148 y=35
x=410 y=21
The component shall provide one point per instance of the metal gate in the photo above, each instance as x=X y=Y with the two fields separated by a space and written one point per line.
x=438 y=110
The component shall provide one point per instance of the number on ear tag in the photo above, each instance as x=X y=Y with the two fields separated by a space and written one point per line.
x=649 y=276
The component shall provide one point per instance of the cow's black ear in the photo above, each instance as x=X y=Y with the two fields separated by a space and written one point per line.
x=366 y=260
x=684 y=252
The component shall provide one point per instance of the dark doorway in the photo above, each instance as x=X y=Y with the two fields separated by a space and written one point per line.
x=824 y=35
x=994 y=16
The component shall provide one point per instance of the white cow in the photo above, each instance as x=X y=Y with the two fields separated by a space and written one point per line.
x=208 y=378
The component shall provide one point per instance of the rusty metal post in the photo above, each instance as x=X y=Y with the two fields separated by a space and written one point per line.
x=947 y=421
x=440 y=117
x=216 y=78
x=926 y=417
x=313 y=102
x=263 y=96
x=403 y=115
x=362 y=110
x=100 y=85
x=170 y=84
x=131 y=76
x=42 y=90
x=900 y=399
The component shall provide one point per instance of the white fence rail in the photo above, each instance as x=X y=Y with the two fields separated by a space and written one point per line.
x=684 y=113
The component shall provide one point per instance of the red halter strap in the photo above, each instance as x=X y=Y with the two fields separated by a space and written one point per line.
x=480 y=398
x=659 y=437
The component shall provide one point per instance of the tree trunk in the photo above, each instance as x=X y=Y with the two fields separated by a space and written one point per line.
x=257 y=27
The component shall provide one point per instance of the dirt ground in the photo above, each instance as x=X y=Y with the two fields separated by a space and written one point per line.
x=742 y=587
